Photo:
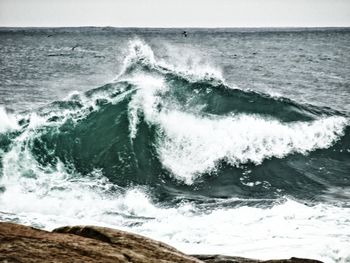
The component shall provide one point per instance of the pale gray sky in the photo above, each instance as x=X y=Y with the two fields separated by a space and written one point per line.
x=175 y=13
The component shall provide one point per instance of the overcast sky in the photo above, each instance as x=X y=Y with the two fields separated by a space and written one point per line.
x=175 y=13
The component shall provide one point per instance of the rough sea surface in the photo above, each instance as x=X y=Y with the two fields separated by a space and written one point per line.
x=231 y=141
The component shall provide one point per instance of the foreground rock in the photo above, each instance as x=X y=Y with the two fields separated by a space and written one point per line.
x=96 y=244
x=82 y=244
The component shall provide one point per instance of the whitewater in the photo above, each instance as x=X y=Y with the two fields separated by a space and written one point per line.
x=177 y=152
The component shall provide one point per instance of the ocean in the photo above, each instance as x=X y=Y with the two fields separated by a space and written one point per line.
x=230 y=141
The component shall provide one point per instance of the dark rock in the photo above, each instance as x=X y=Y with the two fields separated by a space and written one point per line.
x=228 y=259
x=224 y=259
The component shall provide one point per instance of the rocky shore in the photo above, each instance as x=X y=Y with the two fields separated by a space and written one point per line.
x=86 y=244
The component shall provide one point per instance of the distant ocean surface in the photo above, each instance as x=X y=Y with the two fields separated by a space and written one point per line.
x=230 y=141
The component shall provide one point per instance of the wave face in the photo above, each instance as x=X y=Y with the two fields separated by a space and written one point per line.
x=163 y=145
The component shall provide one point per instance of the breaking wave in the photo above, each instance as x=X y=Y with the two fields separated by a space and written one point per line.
x=162 y=141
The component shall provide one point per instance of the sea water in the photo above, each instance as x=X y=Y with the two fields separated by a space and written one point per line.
x=231 y=141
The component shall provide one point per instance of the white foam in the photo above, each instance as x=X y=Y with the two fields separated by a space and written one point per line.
x=190 y=145
x=7 y=121
x=141 y=53
x=287 y=229
x=145 y=100
x=193 y=145
x=50 y=197
x=190 y=63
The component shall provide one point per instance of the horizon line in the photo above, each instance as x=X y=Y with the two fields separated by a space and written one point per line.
x=187 y=27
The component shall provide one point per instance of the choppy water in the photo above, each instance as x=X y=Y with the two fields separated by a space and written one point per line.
x=227 y=141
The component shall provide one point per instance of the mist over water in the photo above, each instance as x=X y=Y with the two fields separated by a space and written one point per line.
x=223 y=142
